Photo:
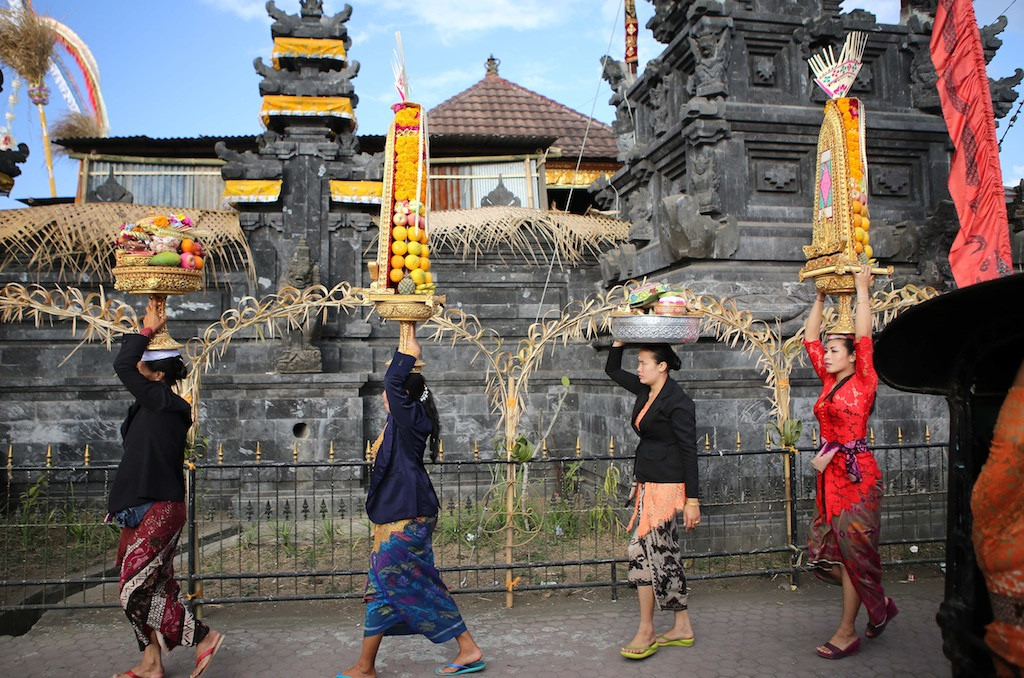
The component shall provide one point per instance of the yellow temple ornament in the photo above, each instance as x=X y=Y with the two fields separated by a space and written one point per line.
x=841 y=241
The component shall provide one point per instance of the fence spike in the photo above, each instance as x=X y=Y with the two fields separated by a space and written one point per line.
x=927 y=434
x=544 y=449
x=814 y=436
x=295 y=452
x=611 y=446
x=476 y=451
x=368 y=453
x=220 y=453
x=899 y=435
x=578 y=451
x=49 y=457
x=739 y=441
x=259 y=452
x=10 y=462
x=440 y=450
x=85 y=457
x=767 y=440
x=871 y=433
x=707 y=442
x=330 y=453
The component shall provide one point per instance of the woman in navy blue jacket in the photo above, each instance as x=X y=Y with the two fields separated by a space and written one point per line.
x=404 y=591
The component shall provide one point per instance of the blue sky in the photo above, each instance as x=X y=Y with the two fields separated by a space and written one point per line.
x=184 y=68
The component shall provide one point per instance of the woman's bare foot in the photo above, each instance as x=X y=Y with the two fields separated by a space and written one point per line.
x=356 y=672
x=205 y=652
x=464 y=658
x=143 y=671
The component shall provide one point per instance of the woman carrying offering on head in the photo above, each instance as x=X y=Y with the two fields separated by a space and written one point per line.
x=147 y=500
x=665 y=485
x=404 y=591
x=843 y=541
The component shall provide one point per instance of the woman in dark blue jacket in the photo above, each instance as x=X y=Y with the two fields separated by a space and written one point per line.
x=404 y=591
x=665 y=475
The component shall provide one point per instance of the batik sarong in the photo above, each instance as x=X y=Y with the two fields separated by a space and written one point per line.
x=655 y=558
x=149 y=594
x=404 y=591
x=850 y=539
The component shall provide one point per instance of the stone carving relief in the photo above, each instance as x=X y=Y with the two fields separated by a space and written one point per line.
x=110 y=191
x=310 y=22
x=246 y=165
x=708 y=46
x=928 y=244
x=704 y=179
x=891 y=181
x=763 y=69
x=618 y=77
x=685 y=233
x=924 y=94
x=324 y=84
x=778 y=176
x=619 y=263
x=639 y=211
x=299 y=355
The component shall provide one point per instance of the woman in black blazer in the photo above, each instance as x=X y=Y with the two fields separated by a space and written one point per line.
x=665 y=475
x=147 y=500
x=404 y=591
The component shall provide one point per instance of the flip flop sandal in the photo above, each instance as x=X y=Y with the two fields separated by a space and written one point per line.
x=836 y=653
x=630 y=652
x=662 y=641
x=472 y=667
x=872 y=631
x=209 y=654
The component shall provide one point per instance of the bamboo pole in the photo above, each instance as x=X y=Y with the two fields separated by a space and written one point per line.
x=47 y=151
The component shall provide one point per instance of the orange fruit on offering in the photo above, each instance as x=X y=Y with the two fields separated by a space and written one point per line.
x=188 y=245
x=414 y=233
x=412 y=261
x=423 y=236
x=424 y=263
x=396 y=275
x=199 y=263
x=399 y=233
x=399 y=247
x=398 y=261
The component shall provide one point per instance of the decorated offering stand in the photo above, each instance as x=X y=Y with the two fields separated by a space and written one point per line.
x=159 y=256
x=841 y=241
x=656 y=314
x=402 y=285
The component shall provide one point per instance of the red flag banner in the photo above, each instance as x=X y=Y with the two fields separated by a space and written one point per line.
x=981 y=250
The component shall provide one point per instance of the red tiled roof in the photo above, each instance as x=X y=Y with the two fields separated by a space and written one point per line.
x=497 y=107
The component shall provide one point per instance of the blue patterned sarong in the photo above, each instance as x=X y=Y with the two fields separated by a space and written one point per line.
x=404 y=591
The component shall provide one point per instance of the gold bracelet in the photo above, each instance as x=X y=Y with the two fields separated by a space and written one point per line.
x=693 y=502
x=864 y=301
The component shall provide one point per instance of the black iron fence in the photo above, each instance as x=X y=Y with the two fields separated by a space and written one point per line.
x=270 y=530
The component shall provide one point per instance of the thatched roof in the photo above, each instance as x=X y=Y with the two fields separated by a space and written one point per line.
x=78 y=239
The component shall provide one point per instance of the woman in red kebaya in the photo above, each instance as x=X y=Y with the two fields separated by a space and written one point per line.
x=843 y=542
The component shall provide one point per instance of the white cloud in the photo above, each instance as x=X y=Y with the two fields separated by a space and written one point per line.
x=1014 y=176
x=244 y=9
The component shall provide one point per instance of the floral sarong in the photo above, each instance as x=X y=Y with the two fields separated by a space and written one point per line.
x=850 y=539
x=655 y=558
x=149 y=594
x=404 y=591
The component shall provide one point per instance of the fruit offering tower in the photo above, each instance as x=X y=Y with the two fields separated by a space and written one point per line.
x=842 y=225
x=403 y=253
x=159 y=256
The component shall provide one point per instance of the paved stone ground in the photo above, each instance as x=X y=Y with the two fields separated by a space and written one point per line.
x=745 y=628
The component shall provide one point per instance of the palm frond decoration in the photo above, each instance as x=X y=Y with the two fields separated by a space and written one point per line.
x=26 y=44
x=530 y=234
x=75 y=125
x=78 y=240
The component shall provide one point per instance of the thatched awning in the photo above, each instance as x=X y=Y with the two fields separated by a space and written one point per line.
x=77 y=239
x=529 y=233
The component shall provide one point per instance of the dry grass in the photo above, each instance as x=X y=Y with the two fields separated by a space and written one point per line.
x=26 y=44
x=75 y=126
x=78 y=240
x=528 y=233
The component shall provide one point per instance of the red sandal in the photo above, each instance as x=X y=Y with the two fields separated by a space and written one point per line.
x=874 y=630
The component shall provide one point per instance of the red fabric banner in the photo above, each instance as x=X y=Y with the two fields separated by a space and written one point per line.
x=981 y=250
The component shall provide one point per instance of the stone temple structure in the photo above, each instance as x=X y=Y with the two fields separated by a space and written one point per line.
x=717 y=138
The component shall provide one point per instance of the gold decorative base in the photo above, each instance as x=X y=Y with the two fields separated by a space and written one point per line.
x=157 y=280
x=408 y=309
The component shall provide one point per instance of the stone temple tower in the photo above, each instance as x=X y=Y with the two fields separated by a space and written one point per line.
x=306 y=195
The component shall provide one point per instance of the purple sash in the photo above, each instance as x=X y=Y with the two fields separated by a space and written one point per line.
x=850 y=449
